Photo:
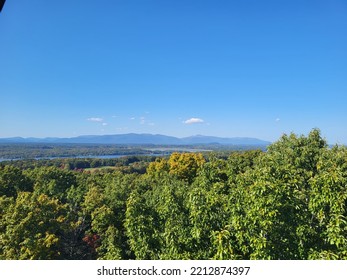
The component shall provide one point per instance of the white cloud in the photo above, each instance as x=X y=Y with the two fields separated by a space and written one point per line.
x=95 y=119
x=193 y=120
x=104 y=124
x=144 y=121
x=278 y=119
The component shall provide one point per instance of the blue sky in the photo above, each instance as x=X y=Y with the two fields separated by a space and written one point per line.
x=176 y=67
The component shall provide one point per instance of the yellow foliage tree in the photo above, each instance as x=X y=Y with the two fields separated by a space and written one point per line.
x=185 y=165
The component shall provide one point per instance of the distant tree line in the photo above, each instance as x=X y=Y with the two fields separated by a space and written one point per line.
x=41 y=151
x=81 y=163
x=289 y=202
x=18 y=151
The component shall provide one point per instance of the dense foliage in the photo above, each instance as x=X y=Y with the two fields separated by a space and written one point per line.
x=289 y=202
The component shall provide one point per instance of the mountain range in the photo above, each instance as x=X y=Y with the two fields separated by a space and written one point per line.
x=138 y=139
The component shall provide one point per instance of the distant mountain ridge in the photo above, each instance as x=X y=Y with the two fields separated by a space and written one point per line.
x=137 y=139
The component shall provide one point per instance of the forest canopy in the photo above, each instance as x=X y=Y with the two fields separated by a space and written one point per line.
x=288 y=202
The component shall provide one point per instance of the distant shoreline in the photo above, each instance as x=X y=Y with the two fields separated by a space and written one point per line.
x=45 y=151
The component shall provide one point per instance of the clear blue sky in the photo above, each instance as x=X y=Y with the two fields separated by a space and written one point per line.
x=226 y=68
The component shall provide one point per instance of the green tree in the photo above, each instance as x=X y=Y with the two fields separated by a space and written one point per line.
x=32 y=227
x=270 y=205
x=104 y=209
x=328 y=203
x=142 y=223
x=12 y=180
x=157 y=222
x=53 y=181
